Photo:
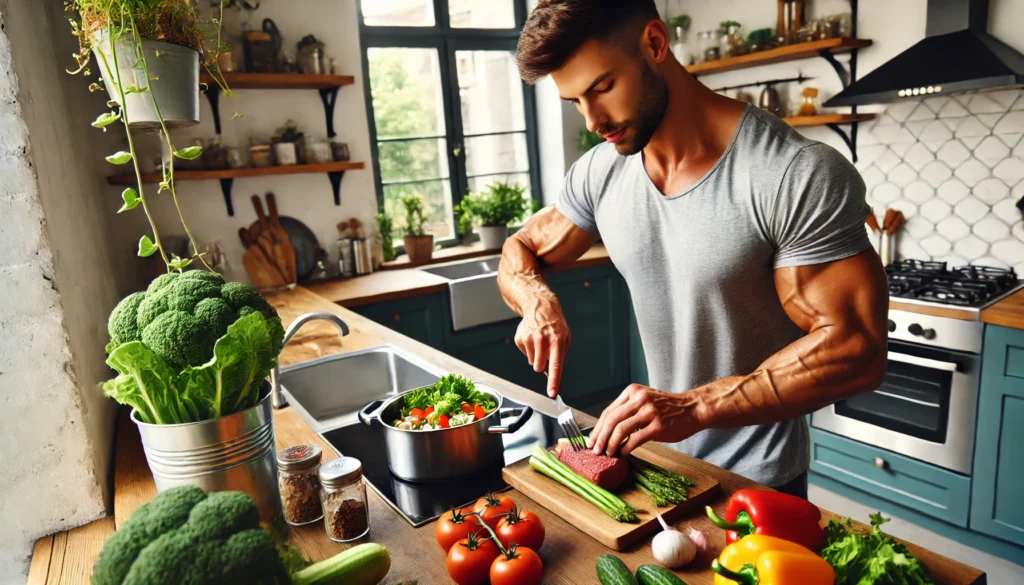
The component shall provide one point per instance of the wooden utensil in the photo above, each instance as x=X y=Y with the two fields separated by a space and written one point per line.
x=284 y=253
x=264 y=238
x=897 y=222
x=890 y=214
x=590 y=520
x=262 y=273
x=872 y=222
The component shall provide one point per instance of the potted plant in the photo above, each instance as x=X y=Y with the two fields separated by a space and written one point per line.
x=493 y=211
x=386 y=229
x=419 y=245
x=149 y=53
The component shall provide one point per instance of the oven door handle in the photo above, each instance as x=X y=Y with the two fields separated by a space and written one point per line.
x=923 y=362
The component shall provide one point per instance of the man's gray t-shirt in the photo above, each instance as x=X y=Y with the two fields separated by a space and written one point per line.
x=699 y=265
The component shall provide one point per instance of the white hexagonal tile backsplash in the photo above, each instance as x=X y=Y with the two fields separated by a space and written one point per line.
x=955 y=166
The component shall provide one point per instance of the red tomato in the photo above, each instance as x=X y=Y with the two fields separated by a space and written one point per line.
x=470 y=560
x=429 y=410
x=417 y=412
x=442 y=421
x=492 y=508
x=479 y=412
x=521 y=566
x=454 y=525
x=466 y=407
x=522 y=528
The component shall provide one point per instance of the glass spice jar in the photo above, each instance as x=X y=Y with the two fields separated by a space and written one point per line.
x=343 y=493
x=299 y=483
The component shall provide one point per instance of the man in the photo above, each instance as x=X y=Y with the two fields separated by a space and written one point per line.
x=757 y=294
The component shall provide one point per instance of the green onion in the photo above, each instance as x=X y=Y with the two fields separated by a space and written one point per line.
x=609 y=503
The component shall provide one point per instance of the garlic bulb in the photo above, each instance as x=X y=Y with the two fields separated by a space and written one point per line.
x=672 y=548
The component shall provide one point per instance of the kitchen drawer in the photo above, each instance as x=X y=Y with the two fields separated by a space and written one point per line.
x=998 y=460
x=492 y=348
x=928 y=489
x=422 y=318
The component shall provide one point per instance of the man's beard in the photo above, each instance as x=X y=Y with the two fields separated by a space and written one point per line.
x=648 y=116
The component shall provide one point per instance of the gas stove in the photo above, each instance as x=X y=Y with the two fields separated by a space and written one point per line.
x=930 y=282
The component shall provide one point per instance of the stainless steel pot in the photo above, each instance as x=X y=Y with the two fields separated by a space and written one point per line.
x=443 y=454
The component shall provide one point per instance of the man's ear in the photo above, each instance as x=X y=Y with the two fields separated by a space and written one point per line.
x=654 y=44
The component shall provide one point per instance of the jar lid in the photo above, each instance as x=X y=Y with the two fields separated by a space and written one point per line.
x=341 y=471
x=299 y=457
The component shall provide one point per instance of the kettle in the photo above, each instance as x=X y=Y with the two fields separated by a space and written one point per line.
x=770 y=100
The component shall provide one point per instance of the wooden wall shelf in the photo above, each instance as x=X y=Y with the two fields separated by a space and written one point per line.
x=280 y=81
x=780 y=55
x=335 y=171
x=826 y=119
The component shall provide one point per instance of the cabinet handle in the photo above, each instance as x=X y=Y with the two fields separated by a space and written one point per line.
x=398 y=317
x=586 y=284
x=880 y=463
x=508 y=341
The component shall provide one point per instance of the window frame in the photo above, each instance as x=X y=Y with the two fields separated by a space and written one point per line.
x=447 y=40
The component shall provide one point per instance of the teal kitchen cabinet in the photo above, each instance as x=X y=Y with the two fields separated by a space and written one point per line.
x=422 y=318
x=922 y=487
x=637 y=357
x=999 y=451
x=595 y=306
x=492 y=348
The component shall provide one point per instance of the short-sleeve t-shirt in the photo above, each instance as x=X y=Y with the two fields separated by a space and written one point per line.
x=699 y=265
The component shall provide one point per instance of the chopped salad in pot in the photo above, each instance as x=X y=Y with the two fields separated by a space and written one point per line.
x=453 y=401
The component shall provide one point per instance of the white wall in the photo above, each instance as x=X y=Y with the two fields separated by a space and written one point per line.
x=59 y=278
x=305 y=197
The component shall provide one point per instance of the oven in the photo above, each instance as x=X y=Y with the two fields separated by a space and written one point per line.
x=927 y=405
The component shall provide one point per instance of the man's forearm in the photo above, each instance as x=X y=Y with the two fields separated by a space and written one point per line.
x=521 y=279
x=828 y=365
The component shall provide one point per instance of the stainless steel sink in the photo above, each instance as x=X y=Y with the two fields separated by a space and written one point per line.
x=475 y=297
x=329 y=392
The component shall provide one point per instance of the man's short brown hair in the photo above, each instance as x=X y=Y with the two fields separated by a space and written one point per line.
x=558 y=28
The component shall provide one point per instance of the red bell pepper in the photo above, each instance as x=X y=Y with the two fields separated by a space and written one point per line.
x=773 y=514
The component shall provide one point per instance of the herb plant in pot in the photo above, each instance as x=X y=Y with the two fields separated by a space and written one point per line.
x=493 y=211
x=419 y=245
x=149 y=53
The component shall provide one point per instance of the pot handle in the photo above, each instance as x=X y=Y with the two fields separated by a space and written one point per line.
x=367 y=413
x=517 y=424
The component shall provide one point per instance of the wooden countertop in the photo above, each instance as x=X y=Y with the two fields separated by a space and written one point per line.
x=569 y=555
x=398 y=283
x=1008 y=312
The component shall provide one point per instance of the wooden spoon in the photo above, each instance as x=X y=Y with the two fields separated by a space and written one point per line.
x=872 y=222
x=890 y=214
x=284 y=253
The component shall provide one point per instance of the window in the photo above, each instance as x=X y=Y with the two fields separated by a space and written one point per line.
x=449 y=114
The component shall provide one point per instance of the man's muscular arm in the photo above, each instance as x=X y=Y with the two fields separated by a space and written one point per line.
x=548 y=240
x=841 y=305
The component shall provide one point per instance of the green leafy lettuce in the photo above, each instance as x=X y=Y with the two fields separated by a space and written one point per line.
x=447 y=396
x=870 y=559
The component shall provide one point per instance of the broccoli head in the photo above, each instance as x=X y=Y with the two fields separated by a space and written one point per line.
x=180 y=316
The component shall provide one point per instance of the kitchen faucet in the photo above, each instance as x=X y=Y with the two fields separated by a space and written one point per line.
x=276 y=398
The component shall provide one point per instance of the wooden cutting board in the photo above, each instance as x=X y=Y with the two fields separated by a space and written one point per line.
x=590 y=520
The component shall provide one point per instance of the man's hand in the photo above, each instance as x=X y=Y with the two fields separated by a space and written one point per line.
x=641 y=414
x=543 y=336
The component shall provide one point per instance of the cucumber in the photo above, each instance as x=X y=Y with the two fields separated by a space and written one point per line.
x=366 y=564
x=655 y=575
x=612 y=571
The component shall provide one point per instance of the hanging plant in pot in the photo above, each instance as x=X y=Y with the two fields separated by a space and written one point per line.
x=192 y=352
x=149 y=53
x=493 y=210
x=419 y=245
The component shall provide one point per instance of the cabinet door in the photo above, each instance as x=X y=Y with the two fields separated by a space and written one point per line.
x=998 y=464
x=594 y=306
x=492 y=348
x=421 y=318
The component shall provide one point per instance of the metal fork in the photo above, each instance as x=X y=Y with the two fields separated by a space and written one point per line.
x=571 y=430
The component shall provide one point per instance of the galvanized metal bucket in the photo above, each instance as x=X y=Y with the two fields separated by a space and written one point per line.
x=234 y=452
x=173 y=80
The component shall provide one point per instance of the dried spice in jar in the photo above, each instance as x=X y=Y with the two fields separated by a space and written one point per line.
x=343 y=493
x=299 y=483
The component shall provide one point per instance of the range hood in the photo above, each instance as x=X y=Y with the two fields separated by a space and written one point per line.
x=956 y=56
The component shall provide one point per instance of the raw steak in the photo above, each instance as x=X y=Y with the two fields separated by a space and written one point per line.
x=607 y=472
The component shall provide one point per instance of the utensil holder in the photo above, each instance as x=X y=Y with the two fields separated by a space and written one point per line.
x=887 y=248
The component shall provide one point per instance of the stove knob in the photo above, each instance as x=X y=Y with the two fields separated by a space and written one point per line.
x=892 y=326
x=919 y=331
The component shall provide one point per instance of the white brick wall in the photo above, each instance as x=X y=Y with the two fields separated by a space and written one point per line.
x=954 y=166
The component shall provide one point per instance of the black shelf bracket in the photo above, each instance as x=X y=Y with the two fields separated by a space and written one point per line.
x=213 y=95
x=850 y=139
x=225 y=189
x=847 y=75
x=841 y=71
x=329 y=96
x=335 y=177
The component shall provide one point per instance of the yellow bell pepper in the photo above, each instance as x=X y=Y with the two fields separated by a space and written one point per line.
x=766 y=560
